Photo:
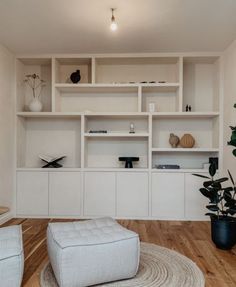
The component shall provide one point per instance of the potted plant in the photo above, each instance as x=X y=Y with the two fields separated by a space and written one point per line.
x=222 y=203
x=222 y=207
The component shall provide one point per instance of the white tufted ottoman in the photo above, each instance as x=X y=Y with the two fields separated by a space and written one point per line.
x=11 y=256
x=91 y=252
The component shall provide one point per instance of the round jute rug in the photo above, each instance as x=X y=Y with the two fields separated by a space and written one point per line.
x=159 y=267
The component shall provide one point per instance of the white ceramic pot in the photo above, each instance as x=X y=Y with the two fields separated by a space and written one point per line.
x=35 y=105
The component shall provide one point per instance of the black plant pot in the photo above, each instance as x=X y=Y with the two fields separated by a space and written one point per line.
x=75 y=77
x=223 y=232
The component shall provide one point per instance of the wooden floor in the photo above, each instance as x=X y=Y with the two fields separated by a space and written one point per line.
x=189 y=238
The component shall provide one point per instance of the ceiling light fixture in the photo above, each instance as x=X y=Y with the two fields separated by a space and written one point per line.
x=113 y=25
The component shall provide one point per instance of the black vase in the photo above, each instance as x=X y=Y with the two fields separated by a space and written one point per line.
x=75 y=77
x=223 y=232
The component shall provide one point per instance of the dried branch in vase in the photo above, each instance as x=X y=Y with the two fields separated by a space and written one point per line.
x=35 y=83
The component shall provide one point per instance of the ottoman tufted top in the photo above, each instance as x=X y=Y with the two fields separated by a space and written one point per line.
x=10 y=241
x=89 y=232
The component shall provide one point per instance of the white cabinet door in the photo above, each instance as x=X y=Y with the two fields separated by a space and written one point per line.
x=99 y=193
x=32 y=193
x=168 y=195
x=132 y=194
x=64 y=193
x=195 y=202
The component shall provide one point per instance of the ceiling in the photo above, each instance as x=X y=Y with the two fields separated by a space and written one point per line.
x=82 y=26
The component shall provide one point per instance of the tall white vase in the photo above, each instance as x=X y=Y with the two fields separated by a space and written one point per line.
x=35 y=105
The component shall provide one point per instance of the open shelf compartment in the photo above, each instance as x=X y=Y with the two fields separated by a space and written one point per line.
x=97 y=99
x=136 y=69
x=204 y=130
x=186 y=160
x=28 y=66
x=165 y=98
x=116 y=125
x=48 y=136
x=105 y=152
x=64 y=67
x=201 y=83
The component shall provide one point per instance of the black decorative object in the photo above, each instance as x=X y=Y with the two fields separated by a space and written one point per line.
x=128 y=160
x=98 y=132
x=75 y=77
x=188 y=108
x=214 y=160
x=222 y=206
x=51 y=162
x=167 y=166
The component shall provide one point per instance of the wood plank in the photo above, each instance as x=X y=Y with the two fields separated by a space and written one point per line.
x=191 y=239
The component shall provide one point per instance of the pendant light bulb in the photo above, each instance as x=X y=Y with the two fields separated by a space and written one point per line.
x=113 y=25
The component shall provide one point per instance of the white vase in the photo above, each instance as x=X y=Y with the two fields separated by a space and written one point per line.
x=35 y=105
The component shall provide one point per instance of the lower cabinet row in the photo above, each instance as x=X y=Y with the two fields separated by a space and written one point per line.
x=120 y=194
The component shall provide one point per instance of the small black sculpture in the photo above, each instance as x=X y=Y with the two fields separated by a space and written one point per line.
x=214 y=161
x=52 y=163
x=128 y=160
x=75 y=77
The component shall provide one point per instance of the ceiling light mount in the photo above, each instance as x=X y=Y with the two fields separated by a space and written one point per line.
x=113 y=25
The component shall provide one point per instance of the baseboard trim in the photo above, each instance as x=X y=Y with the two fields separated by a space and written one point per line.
x=5 y=217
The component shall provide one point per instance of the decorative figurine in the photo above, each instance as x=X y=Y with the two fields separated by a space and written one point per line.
x=173 y=140
x=75 y=77
x=187 y=108
x=131 y=128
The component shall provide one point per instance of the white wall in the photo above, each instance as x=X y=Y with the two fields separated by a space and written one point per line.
x=229 y=161
x=6 y=127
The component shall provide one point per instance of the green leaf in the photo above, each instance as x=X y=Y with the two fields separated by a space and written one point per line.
x=215 y=198
x=217 y=185
x=224 y=212
x=232 y=210
x=227 y=195
x=211 y=214
x=231 y=178
x=234 y=152
x=233 y=143
x=230 y=188
x=205 y=192
x=200 y=175
x=230 y=203
x=234 y=105
x=212 y=207
x=212 y=169
x=207 y=183
x=220 y=180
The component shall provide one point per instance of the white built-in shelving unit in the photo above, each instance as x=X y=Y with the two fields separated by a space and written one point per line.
x=114 y=91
